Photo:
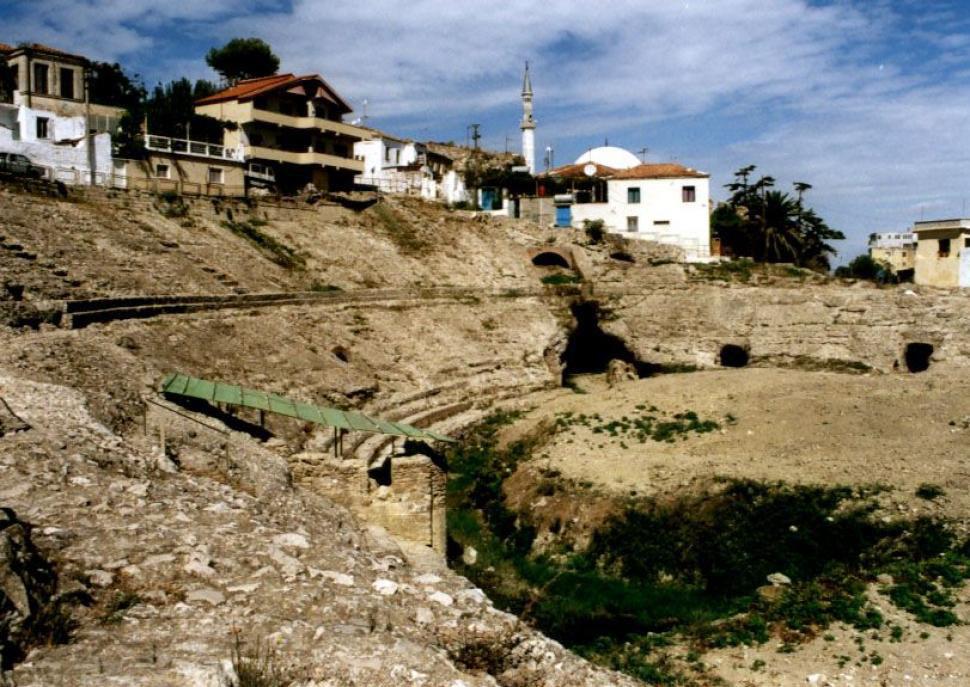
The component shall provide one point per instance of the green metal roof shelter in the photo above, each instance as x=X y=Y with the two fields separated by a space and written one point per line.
x=177 y=384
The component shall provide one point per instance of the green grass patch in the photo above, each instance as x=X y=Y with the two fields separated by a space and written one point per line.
x=648 y=424
x=398 y=229
x=689 y=567
x=279 y=253
x=561 y=279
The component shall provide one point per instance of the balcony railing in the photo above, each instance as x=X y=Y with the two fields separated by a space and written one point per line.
x=164 y=144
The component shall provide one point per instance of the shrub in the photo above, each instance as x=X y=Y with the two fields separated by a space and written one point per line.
x=561 y=279
x=281 y=254
x=595 y=230
x=257 y=666
x=930 y=492
x=865 y=267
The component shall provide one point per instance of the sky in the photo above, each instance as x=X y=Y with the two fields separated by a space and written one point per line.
x=867 y=100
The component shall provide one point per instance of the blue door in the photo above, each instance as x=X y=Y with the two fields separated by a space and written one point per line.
x=564 y=216
x=488 y=198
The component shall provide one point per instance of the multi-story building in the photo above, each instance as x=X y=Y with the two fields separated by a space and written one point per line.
x=897 y=250
x=293 y=125
x=48 y=115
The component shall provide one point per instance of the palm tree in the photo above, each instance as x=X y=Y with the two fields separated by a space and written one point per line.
x=781 y=239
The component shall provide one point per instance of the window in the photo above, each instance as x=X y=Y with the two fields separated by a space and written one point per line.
x=215 y=175
x=661 y=222
x=688 y=194
x=633 y=224
x=43 y=127
x=40 y=78
x=633 y=195
x=67 y=83
x=162 y=171
x=944 y=251
x=966 y=243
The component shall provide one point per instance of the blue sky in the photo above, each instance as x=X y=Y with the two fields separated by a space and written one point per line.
x=869 y=101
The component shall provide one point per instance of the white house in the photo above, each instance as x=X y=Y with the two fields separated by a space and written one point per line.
x=396 y=165
x=664 y=202
x=48 y=117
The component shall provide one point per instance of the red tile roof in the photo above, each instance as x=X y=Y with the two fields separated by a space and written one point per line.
x=662 y=170
x=4 y=48
x=247 y=89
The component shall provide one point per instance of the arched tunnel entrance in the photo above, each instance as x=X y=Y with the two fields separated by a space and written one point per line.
x=550 y=259
x=917 y=356
x=590 y=349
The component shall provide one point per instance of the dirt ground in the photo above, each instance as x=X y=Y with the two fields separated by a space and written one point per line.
x=901 y=431
x=807 y=427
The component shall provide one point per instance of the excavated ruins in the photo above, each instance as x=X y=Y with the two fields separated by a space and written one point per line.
x=326 y=559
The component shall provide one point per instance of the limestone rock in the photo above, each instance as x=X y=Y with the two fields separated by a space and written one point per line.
x=469 y=556
x=212 y=597
x=778 y=579
x=618 y=371
x=385 y=587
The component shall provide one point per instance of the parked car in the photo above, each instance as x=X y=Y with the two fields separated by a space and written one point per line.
x=21 y=165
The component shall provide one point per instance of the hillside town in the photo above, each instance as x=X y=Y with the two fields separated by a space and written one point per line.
x=284 y=133
x=291 y=396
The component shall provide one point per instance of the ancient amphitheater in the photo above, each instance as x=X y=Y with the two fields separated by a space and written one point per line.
x=174 y=533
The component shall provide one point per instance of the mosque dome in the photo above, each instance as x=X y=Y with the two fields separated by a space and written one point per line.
x=609 y=156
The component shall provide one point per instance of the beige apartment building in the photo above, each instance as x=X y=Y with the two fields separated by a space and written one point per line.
x=943 y=253
x=896 y=250
x=292 y=125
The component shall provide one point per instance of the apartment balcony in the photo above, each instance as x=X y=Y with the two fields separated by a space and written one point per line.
x=305 y=158
x=181 y=146
x=247 y=112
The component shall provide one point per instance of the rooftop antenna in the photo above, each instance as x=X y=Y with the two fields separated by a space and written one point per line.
x=476 y=137
x=364 y=118
x=643 y=153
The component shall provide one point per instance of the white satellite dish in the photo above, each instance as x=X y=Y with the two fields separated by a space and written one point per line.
x=589 y=170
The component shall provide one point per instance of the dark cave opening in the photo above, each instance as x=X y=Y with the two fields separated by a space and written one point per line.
x=917 y=356
x=733 y=355
x=550 y=259
x=590 y=349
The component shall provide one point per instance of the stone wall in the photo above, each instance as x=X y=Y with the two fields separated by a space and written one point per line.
x=832 y=326
x=411 y=505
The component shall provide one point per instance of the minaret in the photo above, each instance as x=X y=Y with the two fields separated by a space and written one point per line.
x=528 y=124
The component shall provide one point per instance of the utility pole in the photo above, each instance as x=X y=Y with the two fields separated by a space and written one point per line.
x=507 y=141
x=89 y=134
x=476 y=137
